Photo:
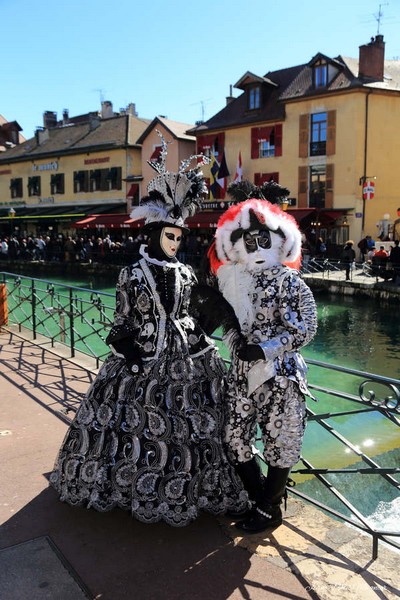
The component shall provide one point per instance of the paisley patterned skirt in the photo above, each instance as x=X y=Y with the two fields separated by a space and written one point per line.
x=151 y=443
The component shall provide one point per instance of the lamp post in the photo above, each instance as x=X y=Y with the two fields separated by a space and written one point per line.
x=367 y=193
x=11 y=215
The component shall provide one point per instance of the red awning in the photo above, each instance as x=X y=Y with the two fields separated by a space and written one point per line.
x=206 y=220
x=332 y=214
x=300 y=213
x=116 y=221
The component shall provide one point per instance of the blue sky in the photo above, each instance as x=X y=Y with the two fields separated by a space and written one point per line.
x=175 y=58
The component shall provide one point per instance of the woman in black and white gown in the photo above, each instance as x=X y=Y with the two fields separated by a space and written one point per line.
x=148 y=435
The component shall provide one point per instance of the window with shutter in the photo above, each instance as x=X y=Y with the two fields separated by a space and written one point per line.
x=211 y=144
x=303 y=187
x=331 y=133
x=320 y=74
x=260 y=178
x=57 y=183
x=266 y=141
x=329 y=185
x=317 y=186
x=16 y=188
x=318 y=126
x=278 y=140
x=303 y=136
x=254 y=97
x=34 y=186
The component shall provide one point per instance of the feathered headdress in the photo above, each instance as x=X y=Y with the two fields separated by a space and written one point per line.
x=172 y=197
x=269 y=190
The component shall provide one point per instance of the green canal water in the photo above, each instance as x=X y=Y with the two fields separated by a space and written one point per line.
x=360 y=334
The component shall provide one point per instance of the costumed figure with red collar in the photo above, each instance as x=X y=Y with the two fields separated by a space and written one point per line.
x=255 y=255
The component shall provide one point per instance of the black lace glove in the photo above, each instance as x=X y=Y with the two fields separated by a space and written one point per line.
x=127 y=349
x=250 y=353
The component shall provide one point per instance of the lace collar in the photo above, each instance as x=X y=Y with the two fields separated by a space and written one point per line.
x=161 y=263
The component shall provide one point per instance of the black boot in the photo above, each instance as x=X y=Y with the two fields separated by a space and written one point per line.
x=267 y=512
x=253 y=481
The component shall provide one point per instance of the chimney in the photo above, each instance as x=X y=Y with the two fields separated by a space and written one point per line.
x=41 y=135
x=107 y=110
x=131 y=108
x=65 y=116
x=372 y=59
x=49 y=119
x=229 y=98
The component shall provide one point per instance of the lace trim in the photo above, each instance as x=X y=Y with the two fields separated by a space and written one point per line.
x=161 y=263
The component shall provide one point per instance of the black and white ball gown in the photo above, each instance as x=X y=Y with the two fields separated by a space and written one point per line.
x=151 y=442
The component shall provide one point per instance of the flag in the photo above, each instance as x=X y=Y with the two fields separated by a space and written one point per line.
x=239 y=170
x=214 y=168
x=223 y=173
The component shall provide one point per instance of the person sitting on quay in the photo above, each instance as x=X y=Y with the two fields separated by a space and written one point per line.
x=394 y=259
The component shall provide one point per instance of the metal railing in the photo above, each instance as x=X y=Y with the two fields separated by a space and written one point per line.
x=327 y=266
x=79 y=318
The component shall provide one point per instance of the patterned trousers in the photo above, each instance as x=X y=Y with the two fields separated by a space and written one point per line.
x=278 y=407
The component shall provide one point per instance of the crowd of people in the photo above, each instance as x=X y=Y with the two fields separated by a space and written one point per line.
x=381 y=261
x=92 y=248
x=111 y=250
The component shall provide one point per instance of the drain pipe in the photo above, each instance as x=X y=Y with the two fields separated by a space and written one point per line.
x=364 y=177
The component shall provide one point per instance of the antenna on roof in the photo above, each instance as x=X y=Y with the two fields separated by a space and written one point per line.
x=202 y=103
x=379 y=16
x=101 y=92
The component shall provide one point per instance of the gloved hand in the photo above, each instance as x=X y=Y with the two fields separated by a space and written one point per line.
x=126 y=349
x=250 y=353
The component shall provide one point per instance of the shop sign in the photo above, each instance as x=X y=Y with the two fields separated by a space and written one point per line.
x=95 y=161
x=49 y=200
x=51 y=166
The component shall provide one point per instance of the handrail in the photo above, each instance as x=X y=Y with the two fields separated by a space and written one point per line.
x=77 y=318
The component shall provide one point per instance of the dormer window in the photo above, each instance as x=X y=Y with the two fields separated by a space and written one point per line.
x=254 y=97
x=320 y=74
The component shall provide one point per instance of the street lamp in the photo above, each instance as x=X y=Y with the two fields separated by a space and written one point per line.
x=11 y=215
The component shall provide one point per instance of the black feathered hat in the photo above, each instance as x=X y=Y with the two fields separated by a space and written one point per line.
x=172 y=197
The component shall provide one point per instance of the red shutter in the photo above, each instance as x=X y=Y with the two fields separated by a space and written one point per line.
x=221 y=142
x=201 y=142
x=278 y=140
x=260 y=178
x=264 y=133
x=255 y=146
x=257 y=178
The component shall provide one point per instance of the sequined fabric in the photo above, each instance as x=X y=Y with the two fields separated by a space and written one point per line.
x=151 y=443
x=280 y=316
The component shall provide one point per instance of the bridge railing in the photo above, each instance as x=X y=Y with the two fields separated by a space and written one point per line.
x=327 y=266
x=79 y=318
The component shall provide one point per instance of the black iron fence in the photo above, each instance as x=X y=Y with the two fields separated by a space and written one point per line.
x=329 y=266
x=77 y=320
